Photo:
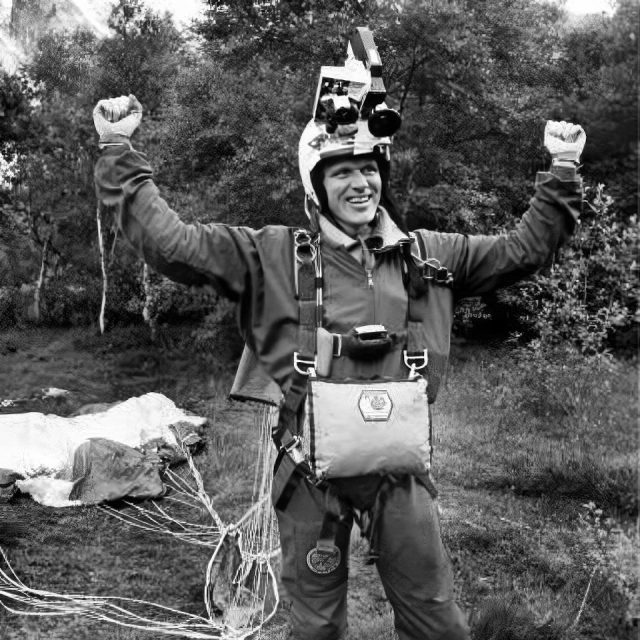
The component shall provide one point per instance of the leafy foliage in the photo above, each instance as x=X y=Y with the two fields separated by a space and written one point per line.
x=64 y=61
x=474 y=82
x=142 y=57
x=49 y=207
x=16 y=95
x=592 y=293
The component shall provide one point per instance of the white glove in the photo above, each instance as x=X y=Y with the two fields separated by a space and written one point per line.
x=116 y=118
x=564 y=140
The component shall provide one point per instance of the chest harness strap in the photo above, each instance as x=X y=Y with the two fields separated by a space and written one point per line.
x=308 y=289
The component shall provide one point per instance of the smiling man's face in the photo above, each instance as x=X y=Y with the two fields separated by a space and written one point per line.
x=353 y=187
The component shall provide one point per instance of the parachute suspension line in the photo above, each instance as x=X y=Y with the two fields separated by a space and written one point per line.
x=166 y=524
x=265 y=418
x=241 y=578
x=38 y=602
x=201 y=493
x=193 y=496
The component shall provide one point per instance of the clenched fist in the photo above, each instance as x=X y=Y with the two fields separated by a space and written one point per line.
x=117 y=118
x=564 y=140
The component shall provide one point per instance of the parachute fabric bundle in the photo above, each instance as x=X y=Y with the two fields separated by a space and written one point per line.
x=240 y=590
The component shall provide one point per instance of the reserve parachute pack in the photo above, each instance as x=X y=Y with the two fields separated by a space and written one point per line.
x=337 y=428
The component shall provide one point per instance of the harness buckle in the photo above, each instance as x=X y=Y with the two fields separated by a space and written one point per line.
x=415 y=362
x=295 y=441
x=305 y=249
x=299 y=363
x=305 y=252
x=293 y=449
x=317 y=481
x=432 y=269
x=443 y=276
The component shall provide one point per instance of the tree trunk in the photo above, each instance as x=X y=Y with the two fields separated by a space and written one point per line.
x=147 y=310
x=37 y=313
x=105 y=280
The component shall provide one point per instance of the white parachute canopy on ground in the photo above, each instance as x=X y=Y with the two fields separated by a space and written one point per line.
x=41 y=448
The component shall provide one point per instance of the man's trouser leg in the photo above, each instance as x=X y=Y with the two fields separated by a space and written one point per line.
x=318 y=601
x=414 y=567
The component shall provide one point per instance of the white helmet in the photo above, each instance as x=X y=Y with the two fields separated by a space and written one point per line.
x=347 y=140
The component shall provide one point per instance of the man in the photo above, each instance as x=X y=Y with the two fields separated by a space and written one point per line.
x=354 y=300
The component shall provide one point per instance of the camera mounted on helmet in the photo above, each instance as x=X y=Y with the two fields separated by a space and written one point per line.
x=350 y=117
x=356 y=90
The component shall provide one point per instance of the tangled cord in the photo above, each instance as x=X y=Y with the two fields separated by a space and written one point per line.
x=240 y=591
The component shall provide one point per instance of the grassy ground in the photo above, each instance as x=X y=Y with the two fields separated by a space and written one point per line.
x=535 y=464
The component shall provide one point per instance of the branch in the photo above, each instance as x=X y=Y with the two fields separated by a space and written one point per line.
x=584 y=600
x=407 y=84
x=490 y=133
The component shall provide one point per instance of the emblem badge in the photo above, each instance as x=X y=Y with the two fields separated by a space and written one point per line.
x=322 y=561
x=375 y=405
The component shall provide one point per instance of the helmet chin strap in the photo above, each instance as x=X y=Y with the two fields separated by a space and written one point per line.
x=313 y=211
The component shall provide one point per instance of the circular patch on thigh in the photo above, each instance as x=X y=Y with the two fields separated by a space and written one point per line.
x=323 y=561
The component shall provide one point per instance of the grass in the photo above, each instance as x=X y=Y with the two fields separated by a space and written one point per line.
x=560 y=427
x=554 y=486
x=537 y=490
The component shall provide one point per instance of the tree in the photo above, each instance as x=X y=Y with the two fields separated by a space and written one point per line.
x=16 y=112
x=54 y=184
x=72 y=70
x=600 y=54
x=475 y=82
x=65 y=62
x=142 y=56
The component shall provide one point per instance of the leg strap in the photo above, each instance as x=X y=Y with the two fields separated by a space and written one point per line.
x=285 y=480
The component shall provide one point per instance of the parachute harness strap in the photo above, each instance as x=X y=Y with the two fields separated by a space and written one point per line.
x=308 y=284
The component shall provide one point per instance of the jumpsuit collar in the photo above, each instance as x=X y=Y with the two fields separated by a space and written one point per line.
x=386 y=234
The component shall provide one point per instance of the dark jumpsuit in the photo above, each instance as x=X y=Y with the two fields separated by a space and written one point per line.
x=255 y=269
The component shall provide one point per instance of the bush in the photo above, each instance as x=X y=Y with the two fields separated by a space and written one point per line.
x=9 y=299
x=169 y=301
x=565 y=422
x=124 y=295
x=70 y=305
x=568 y=472
x=585 y=404
x=590 y=297
x=217 y=339
x=509 y=619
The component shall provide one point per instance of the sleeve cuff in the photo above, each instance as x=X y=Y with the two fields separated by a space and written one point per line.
x=564 y=170
x=114 y=141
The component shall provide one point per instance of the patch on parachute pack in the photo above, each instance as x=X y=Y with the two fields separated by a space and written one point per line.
x=323 y=561
x=375 y=405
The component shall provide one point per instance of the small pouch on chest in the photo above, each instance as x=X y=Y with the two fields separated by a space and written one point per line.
x=354 y=428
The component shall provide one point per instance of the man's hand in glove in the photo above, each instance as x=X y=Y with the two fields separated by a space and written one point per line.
x=564 y=141
x=116 y=119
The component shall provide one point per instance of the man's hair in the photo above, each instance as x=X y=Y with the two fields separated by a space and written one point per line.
x=386 y=197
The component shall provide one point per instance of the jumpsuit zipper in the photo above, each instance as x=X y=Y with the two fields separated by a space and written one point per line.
x=372 y=293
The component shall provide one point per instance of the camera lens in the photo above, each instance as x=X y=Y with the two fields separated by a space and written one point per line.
x=345 y=115
x=340 y=110
x=384 y=122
